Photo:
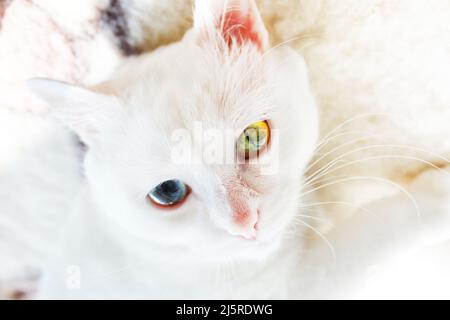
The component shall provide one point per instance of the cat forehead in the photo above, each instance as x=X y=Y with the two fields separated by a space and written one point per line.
x=183 y=83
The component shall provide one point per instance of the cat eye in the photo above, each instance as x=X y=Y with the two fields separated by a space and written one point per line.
x=169 y=193
x=253 y=139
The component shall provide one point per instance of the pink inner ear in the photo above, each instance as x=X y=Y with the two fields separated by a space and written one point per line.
x=238 y=28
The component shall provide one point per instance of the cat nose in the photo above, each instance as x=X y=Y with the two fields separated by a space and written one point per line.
x=244 y=224
x=242 y=203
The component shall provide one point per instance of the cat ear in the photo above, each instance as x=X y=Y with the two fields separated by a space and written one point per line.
x=233 y=22
x=82 y=110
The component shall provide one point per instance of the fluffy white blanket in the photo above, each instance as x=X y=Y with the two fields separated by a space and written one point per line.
x=372 y=58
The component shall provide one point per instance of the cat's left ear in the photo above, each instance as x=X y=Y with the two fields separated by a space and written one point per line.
x=232 y=22
x=84 y=111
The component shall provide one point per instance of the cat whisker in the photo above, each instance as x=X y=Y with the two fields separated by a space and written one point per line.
x=356 y=178
x=436 y=155
x=297 y=38
x=337 y=148
x=341 y=203
x=321 y=236
x=329 y=170
x=324 y=179
x=299 y=216
x=363 y=134
x=356 y=117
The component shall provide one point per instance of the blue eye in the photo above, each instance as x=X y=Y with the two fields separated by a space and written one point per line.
x=169 y=193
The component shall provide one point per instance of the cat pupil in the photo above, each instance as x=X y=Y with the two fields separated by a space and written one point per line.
x=251 y=138
x=169 y=187
x=168 y=193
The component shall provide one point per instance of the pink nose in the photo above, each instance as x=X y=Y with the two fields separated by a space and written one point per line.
x=243 y=208
x=244 y=224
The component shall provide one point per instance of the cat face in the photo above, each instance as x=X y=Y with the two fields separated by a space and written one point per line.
x=200 y=145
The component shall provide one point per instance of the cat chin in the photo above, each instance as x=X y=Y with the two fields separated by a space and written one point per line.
x=236 y=248
x=250 y=253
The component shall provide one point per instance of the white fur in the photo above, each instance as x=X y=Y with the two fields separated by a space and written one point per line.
x=158 y=94
x=363 y=58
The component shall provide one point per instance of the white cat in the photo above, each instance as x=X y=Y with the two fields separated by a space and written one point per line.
x=223 y=76
x=146 y=226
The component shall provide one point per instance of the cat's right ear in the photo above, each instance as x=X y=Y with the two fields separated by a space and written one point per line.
x=230 y=23
x=84 y=111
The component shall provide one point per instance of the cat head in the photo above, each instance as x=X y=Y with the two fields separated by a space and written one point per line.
x=200 y=145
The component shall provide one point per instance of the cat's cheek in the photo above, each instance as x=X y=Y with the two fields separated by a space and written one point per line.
x=278 y=208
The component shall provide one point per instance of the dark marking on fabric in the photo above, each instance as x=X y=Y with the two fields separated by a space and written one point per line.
x=115 y=18
x=3 y=6
x=81 y=149
x=18 y=295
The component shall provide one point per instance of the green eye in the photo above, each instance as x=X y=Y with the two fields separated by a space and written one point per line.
x=254 y=138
